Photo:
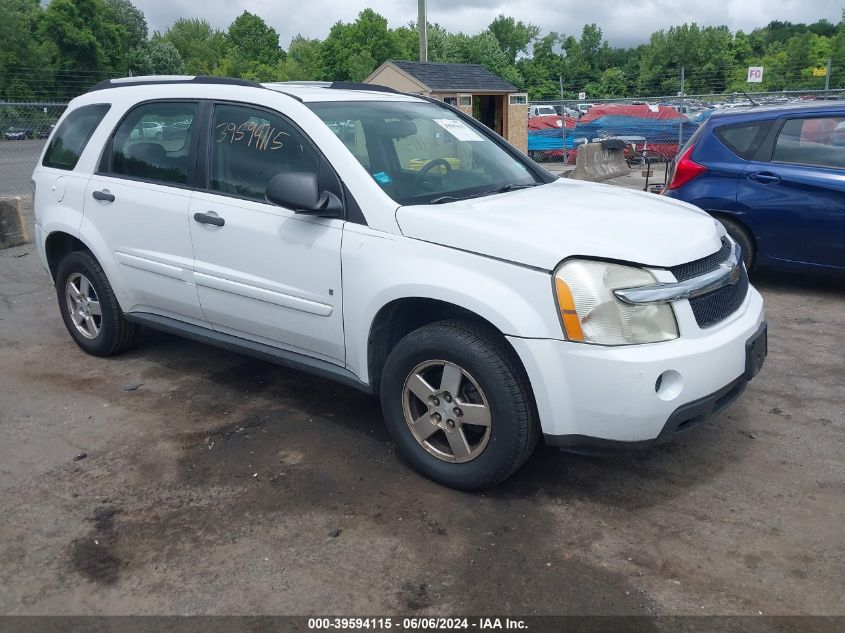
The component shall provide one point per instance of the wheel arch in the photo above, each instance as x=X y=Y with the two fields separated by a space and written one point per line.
x=743 y=223
x=58 y=245
x=401 y=316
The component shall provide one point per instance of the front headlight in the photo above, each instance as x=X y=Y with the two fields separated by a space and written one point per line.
x=590 y=313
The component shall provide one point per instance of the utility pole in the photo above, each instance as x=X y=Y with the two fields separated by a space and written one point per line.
x=827 y=76
x=422 y=26
x=681 y=124
x=562 y=120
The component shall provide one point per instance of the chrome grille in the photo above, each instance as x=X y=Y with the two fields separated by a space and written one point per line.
x=714 y=307
x=704 y=265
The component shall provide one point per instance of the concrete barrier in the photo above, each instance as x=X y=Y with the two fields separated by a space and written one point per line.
x=600 y=161
x=12 y=226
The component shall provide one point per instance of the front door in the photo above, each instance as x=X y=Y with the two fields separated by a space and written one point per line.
x=798 y=198
x=264 y=272
x=139 y=203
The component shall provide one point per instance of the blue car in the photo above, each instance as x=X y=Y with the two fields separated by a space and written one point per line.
x=775 y=177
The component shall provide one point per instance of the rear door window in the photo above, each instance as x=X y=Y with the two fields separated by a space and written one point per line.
x=153 y=142
x=817 y=141
x=73 y=135
x=743 y=139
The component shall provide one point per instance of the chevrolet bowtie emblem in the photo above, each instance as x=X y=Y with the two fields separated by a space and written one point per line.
x=734 y=272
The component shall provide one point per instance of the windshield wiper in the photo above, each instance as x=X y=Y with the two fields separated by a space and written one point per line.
x=442 y=199
x=514 y=187
x=490 y=192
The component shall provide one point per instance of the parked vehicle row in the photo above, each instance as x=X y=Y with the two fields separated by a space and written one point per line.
x=24 y=133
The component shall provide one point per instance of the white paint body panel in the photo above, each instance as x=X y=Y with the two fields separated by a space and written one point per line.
x=269 y=274
x=314 y=286
x=146 y=230
x=543 y=225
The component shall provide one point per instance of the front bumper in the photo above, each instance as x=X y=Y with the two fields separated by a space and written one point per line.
x=590 y=395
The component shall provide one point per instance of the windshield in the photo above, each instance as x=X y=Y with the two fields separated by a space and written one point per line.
x=423 y=153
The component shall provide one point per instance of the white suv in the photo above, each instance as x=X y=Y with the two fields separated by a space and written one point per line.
x=393 y=243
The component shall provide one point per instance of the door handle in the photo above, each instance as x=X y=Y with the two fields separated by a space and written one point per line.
x=764 y=177
x=104 y=195
x=207 y=218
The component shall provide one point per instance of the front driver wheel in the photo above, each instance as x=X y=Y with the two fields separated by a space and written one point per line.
x=457 y=404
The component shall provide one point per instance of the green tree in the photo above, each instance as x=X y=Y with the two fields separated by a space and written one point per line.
x=482 y=48
x=704 y=53
x=20 y=55
x=201 y=47
x=125 y=14
x=591 y=45
x=837 y=56
x=542 y=71
x=157 y=57
x=302 y=61
x=612 y=84
x=252 y=40
x=352 y=51
x=513 y=37
x=78 y=35
x=407 y=42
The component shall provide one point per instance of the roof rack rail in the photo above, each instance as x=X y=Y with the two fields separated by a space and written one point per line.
x=149 y=80
x=354 y=85
x=305 y=83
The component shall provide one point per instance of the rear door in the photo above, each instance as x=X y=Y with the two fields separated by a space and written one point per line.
x=796 y=197
x=264 y=272
x=139 y=201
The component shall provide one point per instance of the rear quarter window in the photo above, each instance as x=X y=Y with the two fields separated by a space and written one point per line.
x=743 y=139
x=70 y=139
x=694 y=138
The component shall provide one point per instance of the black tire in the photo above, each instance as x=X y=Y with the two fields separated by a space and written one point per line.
x=483 y=353
x=116 y=334
x=741 y=237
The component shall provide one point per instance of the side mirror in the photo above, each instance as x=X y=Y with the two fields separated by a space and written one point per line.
x=300 y=191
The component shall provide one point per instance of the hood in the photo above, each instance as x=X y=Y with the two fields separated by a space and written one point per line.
x=543 y=225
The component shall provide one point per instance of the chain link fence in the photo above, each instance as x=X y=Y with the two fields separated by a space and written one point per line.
x=24 y=128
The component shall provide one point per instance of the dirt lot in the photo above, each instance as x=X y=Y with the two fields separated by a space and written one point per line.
x=214 y=483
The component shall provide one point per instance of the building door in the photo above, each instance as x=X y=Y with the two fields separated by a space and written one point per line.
x=484 y=109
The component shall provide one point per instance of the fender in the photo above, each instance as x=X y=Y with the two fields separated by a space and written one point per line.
x=517 y=300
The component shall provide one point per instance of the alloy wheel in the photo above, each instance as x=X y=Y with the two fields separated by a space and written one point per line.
x=83 y=305
x=451 y=421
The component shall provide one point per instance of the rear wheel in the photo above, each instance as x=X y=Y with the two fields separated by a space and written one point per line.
x=89 y=308
x=458 y=405
x=741 y=237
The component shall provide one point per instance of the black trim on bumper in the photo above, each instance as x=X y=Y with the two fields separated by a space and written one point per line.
x=682 y=419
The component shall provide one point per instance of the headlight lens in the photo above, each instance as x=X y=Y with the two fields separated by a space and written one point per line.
x=590 y=313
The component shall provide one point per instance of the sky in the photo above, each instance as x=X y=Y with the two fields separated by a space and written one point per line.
x=624 y=22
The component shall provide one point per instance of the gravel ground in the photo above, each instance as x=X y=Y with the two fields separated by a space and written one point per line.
x=213 y=483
